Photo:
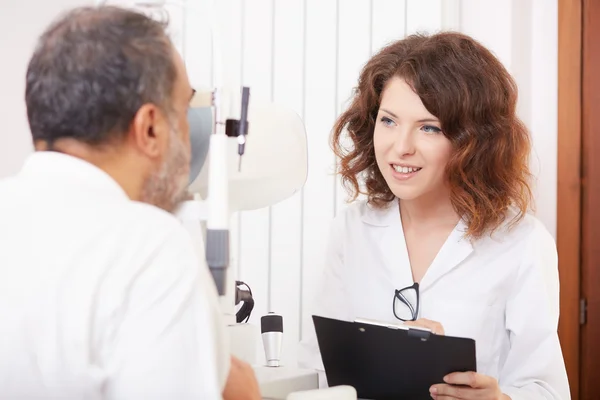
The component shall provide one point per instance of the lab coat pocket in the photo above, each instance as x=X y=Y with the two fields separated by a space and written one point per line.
x=480 y=321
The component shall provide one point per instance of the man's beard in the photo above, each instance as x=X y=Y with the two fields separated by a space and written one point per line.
x=166 y=188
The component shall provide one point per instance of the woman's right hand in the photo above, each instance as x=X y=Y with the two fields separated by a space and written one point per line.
x=433 y=326
x=241 y=382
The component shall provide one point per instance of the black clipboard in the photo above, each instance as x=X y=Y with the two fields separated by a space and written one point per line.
x=387 y=361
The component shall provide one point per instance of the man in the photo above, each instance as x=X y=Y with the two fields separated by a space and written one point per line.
x=102 y=295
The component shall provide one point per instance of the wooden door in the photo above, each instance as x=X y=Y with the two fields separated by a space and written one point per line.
x=568 y=235
x=578 y=230
x=590 y=250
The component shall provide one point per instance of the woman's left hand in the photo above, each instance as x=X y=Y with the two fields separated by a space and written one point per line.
x=467 y=386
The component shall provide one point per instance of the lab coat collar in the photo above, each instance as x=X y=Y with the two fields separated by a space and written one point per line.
x=453 y=252
x=388 y=215
x=72 y=173
x=393 y=245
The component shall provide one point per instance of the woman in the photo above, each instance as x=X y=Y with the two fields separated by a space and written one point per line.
x=442 y=160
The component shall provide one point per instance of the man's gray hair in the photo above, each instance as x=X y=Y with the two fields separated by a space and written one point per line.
x=93 y=69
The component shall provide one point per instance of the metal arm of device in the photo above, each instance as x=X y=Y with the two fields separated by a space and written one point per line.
x=217 y=237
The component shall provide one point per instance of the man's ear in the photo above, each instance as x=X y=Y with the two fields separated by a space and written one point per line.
x=149 y=130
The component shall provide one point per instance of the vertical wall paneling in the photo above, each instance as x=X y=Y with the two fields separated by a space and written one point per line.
x=423 y=16
x=196 y=45
x=543 y=100
x=388 y=22
x=255 y=225
x=229 y=23
x=451 y=15
x=490 y=22
x=521 y=57
x=353 y=51
x=286 y=217
x=320 y=111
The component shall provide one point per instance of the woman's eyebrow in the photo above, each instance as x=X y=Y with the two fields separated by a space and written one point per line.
x=389 y=112
x=424 y=120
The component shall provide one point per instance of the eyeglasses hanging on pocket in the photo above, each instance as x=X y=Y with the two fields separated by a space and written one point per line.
x=406 y=303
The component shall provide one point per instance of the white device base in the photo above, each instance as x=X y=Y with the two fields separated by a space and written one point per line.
x=273 y=363
x=278 y=383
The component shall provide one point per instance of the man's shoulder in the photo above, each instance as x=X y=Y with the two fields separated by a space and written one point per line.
x=149 y=215
x=152 y=222
x=8 y=184
x=152 y=243
x=136 y=223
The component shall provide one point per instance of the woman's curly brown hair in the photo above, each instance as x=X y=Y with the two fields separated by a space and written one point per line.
x=468 y=89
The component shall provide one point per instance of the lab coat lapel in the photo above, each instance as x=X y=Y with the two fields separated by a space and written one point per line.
x=393 y=245
x=454 y=251
x=388 y=232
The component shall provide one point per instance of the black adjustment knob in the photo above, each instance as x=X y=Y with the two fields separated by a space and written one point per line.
x=271 y=323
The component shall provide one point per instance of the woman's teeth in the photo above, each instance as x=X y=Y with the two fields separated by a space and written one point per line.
x=405 y=170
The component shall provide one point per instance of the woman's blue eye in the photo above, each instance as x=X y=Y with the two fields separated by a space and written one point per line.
x=431 y=129
x=387 y=121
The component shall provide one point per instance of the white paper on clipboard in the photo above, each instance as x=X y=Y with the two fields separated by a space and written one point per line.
x=391 y=325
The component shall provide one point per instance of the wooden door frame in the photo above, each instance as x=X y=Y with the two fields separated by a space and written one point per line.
x=590 y=194
x=569 y=189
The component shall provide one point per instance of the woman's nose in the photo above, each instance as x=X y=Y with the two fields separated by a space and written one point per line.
x=404 y=143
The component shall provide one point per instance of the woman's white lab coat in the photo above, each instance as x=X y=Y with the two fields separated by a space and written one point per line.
x=502 y=291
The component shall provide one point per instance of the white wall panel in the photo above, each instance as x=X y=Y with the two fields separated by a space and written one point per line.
x=21 y=22
x=388 y=22
x=543 y=72
x=423 y=16
x=195 y=42
x=320 y=112
x=286 y=217
x=354 y=35
x=490 y=23
x=257 y=63
x=451 y=18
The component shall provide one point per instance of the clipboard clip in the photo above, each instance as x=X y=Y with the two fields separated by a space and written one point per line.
x=419 y=333
x=413 y=331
